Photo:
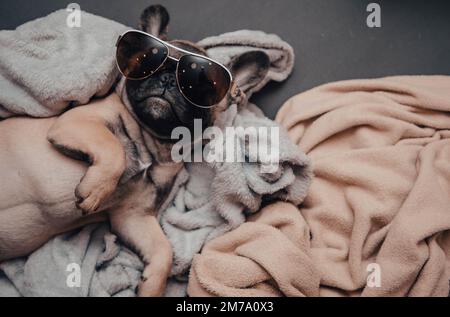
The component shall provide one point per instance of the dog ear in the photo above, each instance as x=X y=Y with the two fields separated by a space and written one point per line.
x=249 y=69
x=155 y=20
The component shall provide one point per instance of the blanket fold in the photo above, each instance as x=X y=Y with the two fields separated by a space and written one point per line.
x=378 y=208
x=260 y=258
x=105 y=267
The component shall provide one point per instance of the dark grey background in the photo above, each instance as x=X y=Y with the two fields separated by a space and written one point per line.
x=330 y=37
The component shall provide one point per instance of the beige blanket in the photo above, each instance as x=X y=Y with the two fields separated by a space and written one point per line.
x=376 y=221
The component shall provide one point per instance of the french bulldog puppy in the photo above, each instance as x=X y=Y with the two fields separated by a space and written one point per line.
x=105 y=161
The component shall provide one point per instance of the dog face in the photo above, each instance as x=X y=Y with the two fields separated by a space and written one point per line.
x=157 y=101
x=159 y=104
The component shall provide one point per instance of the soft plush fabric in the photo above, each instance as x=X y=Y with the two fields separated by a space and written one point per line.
x=380 y=199
x=266 y=256
x=46 y=67
x=106 y=267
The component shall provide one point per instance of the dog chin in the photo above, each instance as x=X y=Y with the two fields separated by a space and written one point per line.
x=156 y=113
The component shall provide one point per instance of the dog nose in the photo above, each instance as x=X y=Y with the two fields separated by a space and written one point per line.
x=168 y=80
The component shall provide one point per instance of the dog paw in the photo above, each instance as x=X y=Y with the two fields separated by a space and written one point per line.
x=90 y=197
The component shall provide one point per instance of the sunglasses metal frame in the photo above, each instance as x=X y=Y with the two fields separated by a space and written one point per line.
x=233 y=89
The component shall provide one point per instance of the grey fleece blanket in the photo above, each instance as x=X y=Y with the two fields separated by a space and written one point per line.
x=105 y=267
x=211 y=199
x=46 y=66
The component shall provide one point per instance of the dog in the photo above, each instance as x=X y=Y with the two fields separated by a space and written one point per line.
x=106 y=161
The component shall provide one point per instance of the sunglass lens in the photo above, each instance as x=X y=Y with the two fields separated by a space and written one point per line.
x=202 y=82
x=139 y=55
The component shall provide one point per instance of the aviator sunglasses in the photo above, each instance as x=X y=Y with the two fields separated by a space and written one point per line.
x=201 y=80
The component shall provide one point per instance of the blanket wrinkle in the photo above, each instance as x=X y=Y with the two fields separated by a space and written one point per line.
x=106 y=268
x=241 y=263
x=378 y=208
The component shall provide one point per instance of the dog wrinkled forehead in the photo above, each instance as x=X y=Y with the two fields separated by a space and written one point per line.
x=187 y=46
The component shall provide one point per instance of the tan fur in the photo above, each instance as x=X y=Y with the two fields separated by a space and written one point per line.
x=38 y=199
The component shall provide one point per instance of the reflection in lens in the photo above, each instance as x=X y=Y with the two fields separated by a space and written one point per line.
x=203 y=82
x=139 y=55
